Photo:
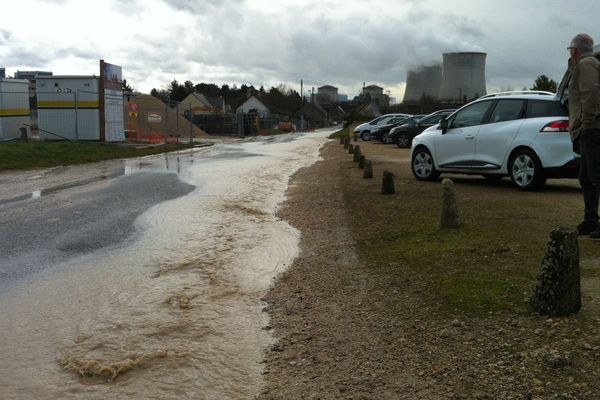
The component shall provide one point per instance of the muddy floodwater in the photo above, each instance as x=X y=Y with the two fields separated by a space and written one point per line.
x=175 y=312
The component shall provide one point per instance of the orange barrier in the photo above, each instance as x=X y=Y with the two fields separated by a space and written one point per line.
x=152 y=137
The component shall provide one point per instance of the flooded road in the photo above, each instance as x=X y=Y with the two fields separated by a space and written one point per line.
x=169 y=310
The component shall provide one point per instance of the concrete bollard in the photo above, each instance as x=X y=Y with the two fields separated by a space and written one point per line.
x=350 y=148
x=368 y=170
x=357 y=152
x=449 y=218
x=346 y=142
x=342 y=139
x=387 y=183
x=355 y=137
x=361 y=161
x=558 y=290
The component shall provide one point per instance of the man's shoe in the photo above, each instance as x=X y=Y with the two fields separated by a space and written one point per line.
x=595 y=235
x=586 y=227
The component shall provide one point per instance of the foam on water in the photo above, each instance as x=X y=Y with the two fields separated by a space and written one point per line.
x=175 y=315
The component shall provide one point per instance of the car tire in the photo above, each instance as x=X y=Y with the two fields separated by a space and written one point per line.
x=525 y=170
x=422 y=165
x=403 y=141
x=365 y=136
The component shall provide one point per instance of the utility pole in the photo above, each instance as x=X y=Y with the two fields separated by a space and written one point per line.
x=312 y=100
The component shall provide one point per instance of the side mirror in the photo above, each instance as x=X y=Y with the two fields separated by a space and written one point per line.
x=444 y=125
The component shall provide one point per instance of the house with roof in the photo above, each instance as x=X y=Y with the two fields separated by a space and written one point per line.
x=335 y=113
x=314 y=113
x=203 y=105
x=370 y=110
x=254 y=104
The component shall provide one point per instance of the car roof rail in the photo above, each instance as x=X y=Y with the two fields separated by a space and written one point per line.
x=518 y=92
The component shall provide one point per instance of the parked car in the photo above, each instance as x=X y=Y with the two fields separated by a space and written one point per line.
x=389 y=138
x=405 y=133
x=364 y=130
x=523 y=135
x=382 y=130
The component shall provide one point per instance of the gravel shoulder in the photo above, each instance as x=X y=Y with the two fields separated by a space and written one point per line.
x=348 y=327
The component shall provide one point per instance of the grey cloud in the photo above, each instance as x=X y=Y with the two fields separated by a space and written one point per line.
x=32 y=58
x=237 y=44
x=129 y=7
x=335 y=51
x=4 y=36
x=200 y=5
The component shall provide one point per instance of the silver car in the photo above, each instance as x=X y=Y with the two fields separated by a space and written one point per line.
x=365 y=130
x=523 y=135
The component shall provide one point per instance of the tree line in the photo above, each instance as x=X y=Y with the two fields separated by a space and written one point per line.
x=280 y=98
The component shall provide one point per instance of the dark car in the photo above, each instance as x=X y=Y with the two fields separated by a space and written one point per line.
x=393 y=133
x=405 y=134
x=380 y=132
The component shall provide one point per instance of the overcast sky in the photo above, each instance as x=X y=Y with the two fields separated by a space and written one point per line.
x=338 y=42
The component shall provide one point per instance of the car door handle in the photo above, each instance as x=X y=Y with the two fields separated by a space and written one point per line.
x=469 y=137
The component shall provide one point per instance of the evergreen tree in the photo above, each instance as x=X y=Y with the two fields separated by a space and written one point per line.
x=544 y=83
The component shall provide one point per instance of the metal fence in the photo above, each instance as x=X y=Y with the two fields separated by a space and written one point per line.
x=244 y=124
x=148 y=119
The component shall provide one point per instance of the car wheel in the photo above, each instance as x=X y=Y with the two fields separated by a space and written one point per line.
x=365 y=136
x=403 y=141
x=526 y=170
x=422 y=165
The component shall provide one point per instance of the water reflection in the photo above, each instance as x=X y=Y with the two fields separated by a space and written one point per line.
x=113 y=170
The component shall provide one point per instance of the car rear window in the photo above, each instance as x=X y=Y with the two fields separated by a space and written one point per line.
x=541 y=108
x=507 y=110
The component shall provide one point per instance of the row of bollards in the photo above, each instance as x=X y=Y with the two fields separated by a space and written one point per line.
x=362 y=161
x=558 y=289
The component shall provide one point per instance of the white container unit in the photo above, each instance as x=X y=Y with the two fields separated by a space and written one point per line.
x=68 y=107
x=14 y=108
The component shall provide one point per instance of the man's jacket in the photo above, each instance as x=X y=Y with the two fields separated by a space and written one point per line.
x=584 y=95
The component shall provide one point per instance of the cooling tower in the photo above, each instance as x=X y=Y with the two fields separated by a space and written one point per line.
x=423 y=83
x=463 y=76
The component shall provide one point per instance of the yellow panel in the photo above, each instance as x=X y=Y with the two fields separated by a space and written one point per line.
x=67 y=104
x=14 y=111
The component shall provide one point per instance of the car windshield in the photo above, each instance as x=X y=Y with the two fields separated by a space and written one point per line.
x=411 y=120
x=432 y=119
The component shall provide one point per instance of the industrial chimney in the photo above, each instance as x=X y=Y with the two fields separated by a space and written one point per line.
x=423 y=82
x=463 y=76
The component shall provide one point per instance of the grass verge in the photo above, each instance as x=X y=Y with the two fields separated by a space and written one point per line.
x=16 y=156
x=489 y=264
x=342 y=132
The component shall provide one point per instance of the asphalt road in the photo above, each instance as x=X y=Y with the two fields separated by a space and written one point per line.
x=39 y=233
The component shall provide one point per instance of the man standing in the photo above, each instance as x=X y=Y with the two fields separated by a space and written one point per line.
x=584 y=125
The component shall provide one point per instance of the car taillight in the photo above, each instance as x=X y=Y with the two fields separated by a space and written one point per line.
x=556 y=126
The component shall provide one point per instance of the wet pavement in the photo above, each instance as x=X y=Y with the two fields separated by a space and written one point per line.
x=143 y=279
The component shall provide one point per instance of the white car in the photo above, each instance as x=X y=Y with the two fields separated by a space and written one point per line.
x=365 y=130
x=523 y=135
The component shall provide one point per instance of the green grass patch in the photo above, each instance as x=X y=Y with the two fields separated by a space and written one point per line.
x=15 y=156
x=342 y=132
x=476 y=291
x=489 y=264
